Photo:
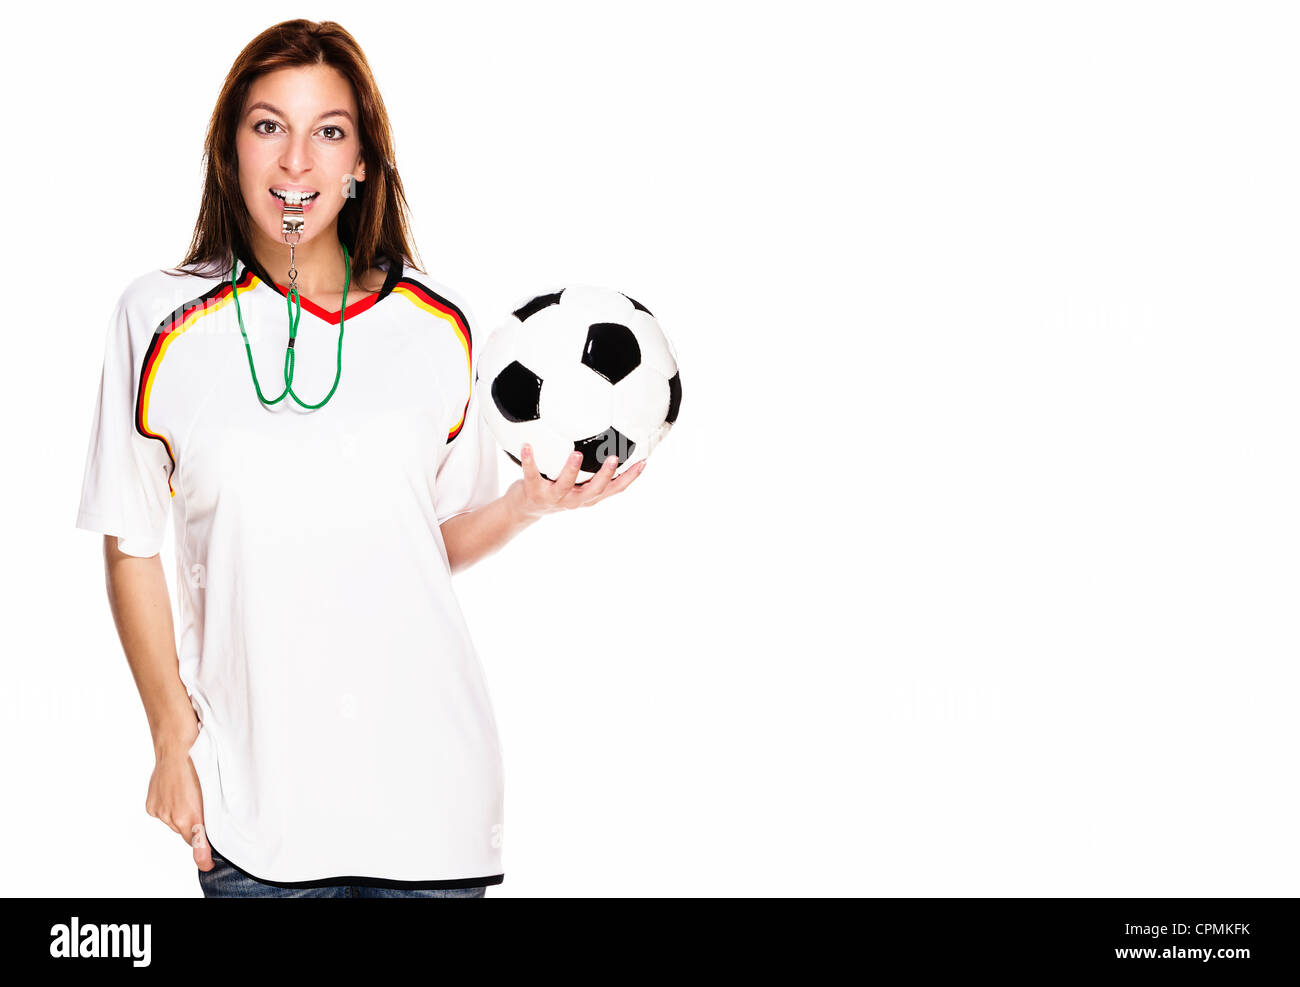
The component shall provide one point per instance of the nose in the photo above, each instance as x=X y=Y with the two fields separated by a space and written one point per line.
x=297 y=155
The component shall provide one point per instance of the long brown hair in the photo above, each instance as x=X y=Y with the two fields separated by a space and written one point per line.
x=373 y=224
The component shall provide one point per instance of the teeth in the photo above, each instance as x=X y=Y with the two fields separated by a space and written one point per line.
x=294 y=198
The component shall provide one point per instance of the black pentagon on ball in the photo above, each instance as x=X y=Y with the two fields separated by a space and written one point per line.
x=596 y=449
x=637 y=304
x=611 y=350
x=674 y=397
x=537 y=304
x=517 y=393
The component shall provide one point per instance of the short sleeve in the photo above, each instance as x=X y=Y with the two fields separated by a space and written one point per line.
x=469 y=475
x=126 y=489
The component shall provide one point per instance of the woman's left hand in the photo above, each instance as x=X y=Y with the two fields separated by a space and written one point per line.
x=537 y=496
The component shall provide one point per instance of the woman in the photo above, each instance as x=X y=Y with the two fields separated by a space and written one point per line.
x=325 y=728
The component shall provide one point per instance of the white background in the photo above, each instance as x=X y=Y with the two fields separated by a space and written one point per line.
x=970 y=567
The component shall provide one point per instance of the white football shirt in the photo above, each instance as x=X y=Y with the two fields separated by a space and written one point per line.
x=347 y=735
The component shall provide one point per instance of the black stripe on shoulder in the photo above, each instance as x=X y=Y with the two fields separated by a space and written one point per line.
x=420 y=288
x=432 y=297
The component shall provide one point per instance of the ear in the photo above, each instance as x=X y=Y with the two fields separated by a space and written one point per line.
x=360 y=172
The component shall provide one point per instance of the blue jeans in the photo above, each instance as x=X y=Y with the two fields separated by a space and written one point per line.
x=224 y=881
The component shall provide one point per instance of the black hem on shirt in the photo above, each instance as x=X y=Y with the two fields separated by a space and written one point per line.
x=368 y=882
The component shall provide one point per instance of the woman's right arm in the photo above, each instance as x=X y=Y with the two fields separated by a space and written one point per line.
x=137 y=595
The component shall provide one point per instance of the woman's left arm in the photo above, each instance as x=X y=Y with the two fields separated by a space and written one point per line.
x=476 y=534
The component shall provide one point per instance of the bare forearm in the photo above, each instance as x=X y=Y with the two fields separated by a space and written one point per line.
x=477 y=534
x=137 y=596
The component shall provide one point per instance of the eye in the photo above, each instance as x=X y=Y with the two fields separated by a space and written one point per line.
x=331 y=126
x=260 y=123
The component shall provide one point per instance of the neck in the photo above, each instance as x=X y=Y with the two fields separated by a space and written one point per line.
x=319 y=262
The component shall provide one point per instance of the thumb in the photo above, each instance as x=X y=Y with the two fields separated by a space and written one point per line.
x=202 y=852
x=198 y=835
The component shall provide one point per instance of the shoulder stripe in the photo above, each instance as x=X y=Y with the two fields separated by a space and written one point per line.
x=168 y=330
x=422 y=296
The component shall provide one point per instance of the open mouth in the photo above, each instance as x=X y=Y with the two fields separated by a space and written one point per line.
x=304 y=199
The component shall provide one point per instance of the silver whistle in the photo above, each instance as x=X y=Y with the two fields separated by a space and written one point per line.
x=293 y=220
x=292 y=226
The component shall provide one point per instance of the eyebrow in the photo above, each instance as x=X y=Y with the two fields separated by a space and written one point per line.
x=278 y=112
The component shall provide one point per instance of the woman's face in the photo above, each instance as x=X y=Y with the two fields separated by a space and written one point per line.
x=298 y=133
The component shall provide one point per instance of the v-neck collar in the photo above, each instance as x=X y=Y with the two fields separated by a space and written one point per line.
x=354 y=308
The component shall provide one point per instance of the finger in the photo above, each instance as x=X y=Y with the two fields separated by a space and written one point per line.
x=564 y=482
x=532 y=476
x=625 y=481
x=202 y=851
x=594 y=487
x=620 y=483
x=195 y=831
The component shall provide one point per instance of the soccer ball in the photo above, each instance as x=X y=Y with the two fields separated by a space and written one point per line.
x=583 y=368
